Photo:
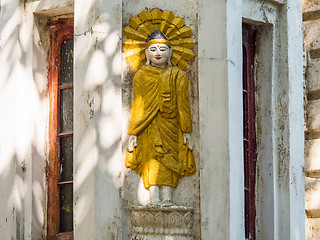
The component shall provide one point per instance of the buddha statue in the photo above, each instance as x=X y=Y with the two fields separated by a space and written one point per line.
x=160 y=144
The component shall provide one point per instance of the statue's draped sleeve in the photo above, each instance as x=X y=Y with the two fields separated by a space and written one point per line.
x=183 y=101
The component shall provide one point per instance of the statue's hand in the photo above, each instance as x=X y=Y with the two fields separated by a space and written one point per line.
x=132 y=142
x=187 y=137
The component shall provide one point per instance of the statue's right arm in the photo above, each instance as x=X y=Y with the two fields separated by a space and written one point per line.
x=137 y=112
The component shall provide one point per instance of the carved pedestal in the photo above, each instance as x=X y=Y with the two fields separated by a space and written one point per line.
x=161 y=223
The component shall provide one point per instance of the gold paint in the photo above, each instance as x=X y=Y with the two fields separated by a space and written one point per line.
x=175 y=58
x=149 y=25
x=185 y=32
x=131 y=33
x=178 y=49
x=187 y=54
x=160 y=116
x=178 y=22
x=164 y=26
x=158 y=41
x=183 y=64
x=171 y=30
x=130 y=44
x=136 y=52
x=135 y=22
x=174 y=36
x=156 y=18
x=161 y=101
x=186 y=42
x=145 y=15
x=156 y=14
x=168 y=16
x=176 y=43
x=144 y=24
x=136 y=55
x=145 y=29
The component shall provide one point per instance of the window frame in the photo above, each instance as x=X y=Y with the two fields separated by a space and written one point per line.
x=60 y=30
x=249 y=129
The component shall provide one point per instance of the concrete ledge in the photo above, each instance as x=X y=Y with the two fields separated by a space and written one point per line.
x=311 y=15
x=313 y=173
x=314 y=95
x=277 y=2
x=312 y=111
x=312 y=134
x=313 y=213
x=314 y=53
x=56 y=11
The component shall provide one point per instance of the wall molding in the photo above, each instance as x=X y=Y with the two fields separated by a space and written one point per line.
x=312 y=134
x=312 y=173
x=311 y=15
x=313 y=213
x=277 y=2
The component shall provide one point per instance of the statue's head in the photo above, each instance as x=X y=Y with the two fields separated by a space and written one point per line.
x=158 y=50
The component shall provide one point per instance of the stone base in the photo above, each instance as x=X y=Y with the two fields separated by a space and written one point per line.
x=160 y=237
x=160 y=222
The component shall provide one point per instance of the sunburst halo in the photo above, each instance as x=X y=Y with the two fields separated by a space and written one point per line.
x=141 y=26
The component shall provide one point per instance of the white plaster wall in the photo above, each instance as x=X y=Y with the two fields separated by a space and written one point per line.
x=97 y=126
x=8 y=80
x=220 y=103
x=24 y=107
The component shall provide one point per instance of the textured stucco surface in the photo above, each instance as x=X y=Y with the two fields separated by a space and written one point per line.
x=103 y=188
x=24 y=107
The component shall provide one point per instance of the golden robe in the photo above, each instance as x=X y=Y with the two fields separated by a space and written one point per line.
x=160 y=115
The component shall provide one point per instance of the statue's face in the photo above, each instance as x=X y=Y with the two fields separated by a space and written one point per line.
x=158 y=54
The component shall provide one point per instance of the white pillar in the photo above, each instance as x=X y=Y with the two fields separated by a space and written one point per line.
x=220 y=103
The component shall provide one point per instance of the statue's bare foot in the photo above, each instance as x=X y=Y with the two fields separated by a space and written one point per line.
x=154 y=204
x=166 y=203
